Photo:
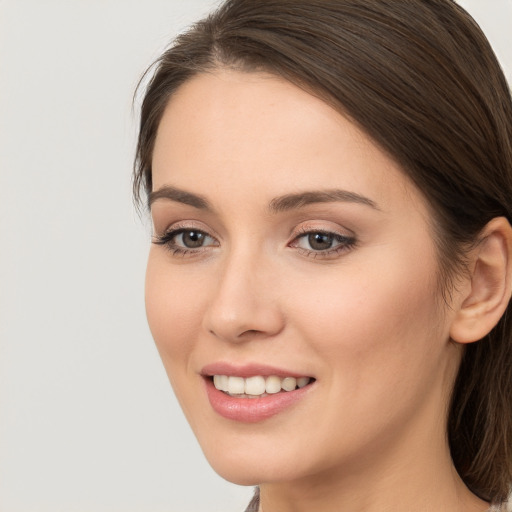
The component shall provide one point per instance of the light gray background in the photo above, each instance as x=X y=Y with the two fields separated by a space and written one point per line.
x=87 y=419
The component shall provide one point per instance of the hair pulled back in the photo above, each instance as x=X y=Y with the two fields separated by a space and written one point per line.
x=420 y=78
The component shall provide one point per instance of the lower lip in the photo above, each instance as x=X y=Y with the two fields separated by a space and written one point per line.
x=252 y=410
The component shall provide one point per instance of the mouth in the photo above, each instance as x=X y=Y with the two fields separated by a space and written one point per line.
x=253 y=393
x=258 y=386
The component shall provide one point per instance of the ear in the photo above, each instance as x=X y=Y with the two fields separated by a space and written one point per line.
x=489 y=287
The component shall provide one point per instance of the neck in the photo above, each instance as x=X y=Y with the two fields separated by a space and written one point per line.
x=389 y=489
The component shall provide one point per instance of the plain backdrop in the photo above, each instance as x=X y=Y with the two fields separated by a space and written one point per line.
x=88 y=421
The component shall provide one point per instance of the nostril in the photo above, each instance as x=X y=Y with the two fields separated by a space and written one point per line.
x=250 y=332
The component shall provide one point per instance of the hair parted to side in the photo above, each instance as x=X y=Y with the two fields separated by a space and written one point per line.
x=420 y=78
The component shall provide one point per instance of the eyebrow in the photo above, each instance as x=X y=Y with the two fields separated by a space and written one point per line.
x=294 y=201
x=179 y=196
x=277 y=205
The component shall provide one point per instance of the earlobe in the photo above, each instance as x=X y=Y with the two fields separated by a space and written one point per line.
x=490 y=284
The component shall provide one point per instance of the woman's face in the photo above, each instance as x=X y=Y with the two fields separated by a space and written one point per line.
x=290 y=248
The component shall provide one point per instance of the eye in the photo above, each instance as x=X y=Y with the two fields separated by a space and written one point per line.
x=318 y=241
x=185 y=240
x=322 y=243
x=191 y=239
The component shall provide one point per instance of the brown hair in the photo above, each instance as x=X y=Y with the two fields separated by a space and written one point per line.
x=420 y=78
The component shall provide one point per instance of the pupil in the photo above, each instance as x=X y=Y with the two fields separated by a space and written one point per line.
x=320 y=241
x=192 y=239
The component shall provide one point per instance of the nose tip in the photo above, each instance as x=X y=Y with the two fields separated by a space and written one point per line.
x=236 y=327
x=243 y=308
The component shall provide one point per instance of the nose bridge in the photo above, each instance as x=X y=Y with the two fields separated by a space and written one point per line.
x=243 y=304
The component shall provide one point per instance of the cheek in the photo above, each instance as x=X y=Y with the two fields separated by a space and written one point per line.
x=174 y=316
x=171 y=309
x=378 y=327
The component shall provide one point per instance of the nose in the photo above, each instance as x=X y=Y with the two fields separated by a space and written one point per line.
x=245 y=303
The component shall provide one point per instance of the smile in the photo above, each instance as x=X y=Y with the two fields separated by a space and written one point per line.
x=241 y=395
x=257 y=386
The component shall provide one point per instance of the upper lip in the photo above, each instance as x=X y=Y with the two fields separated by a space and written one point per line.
x=247 y=370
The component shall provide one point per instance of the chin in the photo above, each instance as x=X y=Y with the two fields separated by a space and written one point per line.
x=250 y=460
x=248 y=472
x=240 y=475
x=242 y=466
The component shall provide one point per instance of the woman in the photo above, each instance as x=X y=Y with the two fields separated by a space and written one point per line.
x=330 y=184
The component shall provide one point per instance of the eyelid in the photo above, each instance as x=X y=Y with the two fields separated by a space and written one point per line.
x=185 y=225
x=322 y=227
x=167 y=238
x=346 y=241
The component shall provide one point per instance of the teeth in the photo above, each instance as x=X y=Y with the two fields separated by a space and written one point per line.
x=289 y=384
x=273 y=385
x=256 y=386
x=221 y=382
x=236 y=385
x=302 y=381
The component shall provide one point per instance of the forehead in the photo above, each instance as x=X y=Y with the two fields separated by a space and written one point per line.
x=228 y=130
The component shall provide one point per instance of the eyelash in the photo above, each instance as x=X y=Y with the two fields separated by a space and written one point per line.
x=167 y=239
x=345 y=243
